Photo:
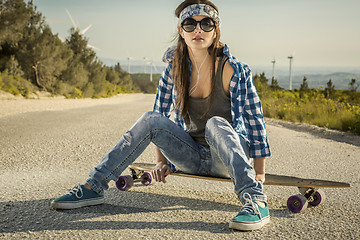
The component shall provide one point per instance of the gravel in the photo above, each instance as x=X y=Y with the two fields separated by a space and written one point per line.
x=48 y=145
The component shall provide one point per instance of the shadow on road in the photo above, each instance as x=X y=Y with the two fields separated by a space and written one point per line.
x=36 y=215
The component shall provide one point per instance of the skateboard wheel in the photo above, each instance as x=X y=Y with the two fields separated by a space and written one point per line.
x=146 y=178
x=124 y=183
x=319 y=197
x=297 y=203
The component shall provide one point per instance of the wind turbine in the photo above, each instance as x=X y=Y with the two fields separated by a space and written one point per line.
x=151 y=63
x=144 y=64
x=290 y=75
x=273 y=73
x=77 y=28
x=129 y=59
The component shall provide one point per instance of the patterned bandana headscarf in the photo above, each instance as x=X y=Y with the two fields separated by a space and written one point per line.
x=199 y=9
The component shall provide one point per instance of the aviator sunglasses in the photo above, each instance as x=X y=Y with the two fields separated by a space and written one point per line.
x=206 y=24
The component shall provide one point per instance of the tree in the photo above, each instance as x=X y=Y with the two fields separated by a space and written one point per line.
x=274 y=84
x=112 y=76
x=260 y=82
x=125 y=80
x=28 y=45
x=82 y=68
x=78 y=44
x=13 y=67
x=14 y=15
x=30 y=51
x=329 y=90
x=353 y=86
x=98 y=78
x=304 y=87
x=42 y=56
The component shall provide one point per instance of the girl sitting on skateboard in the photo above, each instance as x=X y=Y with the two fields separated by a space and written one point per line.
x=218 y=121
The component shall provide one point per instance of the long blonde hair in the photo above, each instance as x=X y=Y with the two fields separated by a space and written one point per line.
x=181 y=66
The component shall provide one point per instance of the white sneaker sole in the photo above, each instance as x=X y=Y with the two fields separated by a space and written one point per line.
x=242 y=226
x=78 y=204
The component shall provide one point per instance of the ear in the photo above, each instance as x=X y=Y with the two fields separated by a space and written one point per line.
x=181 y=32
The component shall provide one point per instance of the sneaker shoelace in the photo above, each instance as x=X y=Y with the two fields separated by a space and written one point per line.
x=250 y=206
x=75 y=191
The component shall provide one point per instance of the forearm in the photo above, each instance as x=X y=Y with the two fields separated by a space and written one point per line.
x=160 y=158
x=259 y=165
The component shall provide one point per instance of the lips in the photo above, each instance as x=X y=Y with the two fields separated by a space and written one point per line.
x=198 y=38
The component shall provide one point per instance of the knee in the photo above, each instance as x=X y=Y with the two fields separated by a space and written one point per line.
x=151 y=118
x=216 y=122
x=214 y=125
x=150 y=114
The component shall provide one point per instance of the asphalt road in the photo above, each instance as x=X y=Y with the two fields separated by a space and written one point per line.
x=45 y=153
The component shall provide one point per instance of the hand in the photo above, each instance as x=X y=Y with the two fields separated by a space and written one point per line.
x=160 y=172
x=260 y=177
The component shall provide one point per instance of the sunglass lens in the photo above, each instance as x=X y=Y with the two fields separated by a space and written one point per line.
x=189 y=25
x=207 y=24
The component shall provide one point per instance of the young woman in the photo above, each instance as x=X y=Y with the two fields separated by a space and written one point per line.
x=218 y=122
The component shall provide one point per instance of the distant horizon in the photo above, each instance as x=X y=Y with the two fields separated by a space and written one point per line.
x=317 y=77
x=284 y=68
x=322 y=32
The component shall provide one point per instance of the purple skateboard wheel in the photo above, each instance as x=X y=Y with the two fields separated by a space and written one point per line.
x=319 y=197
x=297 y=203
x=146 y=178
x=124 y=183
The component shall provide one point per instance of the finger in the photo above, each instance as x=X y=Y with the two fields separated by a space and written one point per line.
x=166 y=173
x=162 y=173
x=155 y=175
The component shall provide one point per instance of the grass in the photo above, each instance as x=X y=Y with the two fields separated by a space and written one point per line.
x=341 y=112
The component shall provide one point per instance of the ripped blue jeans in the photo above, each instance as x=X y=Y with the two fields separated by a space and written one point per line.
x=226 y=156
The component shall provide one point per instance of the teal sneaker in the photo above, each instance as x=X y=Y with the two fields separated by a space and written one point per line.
x=251 y=216
x=78 y=197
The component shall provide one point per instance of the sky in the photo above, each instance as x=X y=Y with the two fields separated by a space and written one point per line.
x=318 y=32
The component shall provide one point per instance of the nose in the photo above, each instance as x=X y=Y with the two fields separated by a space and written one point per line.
x=198 y=28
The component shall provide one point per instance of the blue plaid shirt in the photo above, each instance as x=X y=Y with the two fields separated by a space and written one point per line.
x=246 y=110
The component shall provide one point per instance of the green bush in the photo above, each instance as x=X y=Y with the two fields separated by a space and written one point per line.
x=313 y=108
x=15 y=85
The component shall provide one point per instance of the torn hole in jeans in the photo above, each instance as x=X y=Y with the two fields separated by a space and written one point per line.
x=127 y=140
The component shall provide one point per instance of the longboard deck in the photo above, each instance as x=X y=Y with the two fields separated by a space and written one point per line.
x=271 y=179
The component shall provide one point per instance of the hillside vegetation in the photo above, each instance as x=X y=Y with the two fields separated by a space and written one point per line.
x=330 y=108
x=32 y=58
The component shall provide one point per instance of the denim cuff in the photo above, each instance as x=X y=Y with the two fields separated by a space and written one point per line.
x=93 y=186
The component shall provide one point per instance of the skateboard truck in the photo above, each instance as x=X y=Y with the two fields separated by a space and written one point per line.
x=299 y=202
x=126 y=182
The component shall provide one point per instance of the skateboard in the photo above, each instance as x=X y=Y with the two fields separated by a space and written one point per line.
x=310 y=192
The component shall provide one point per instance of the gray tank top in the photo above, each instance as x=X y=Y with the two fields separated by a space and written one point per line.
x=198 y=106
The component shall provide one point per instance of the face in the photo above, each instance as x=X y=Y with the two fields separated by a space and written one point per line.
x=198 y=39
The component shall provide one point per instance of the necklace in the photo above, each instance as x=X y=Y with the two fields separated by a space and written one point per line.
x=193 y=89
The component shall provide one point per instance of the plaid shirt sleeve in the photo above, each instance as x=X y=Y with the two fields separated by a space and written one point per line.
x=248 y=119
x=164 y=98
x=254 y=122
